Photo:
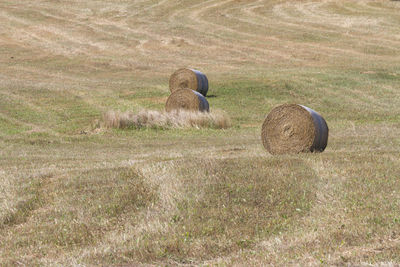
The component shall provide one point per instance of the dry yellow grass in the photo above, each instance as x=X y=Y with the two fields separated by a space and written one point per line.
x=208 y=197
x=174 y=119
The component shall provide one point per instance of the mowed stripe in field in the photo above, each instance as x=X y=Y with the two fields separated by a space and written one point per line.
x=68 y=191
x=91 y=49
x=160 y=36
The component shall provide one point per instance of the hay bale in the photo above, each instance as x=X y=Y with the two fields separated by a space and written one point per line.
x=186 y=99
x=189 y=79
x=292 y=128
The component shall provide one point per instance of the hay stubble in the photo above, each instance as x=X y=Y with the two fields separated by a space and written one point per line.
x=106 y=55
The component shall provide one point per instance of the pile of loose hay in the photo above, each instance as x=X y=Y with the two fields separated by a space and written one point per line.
x=189 y=79
x=186 y=99
x=166 y=120
x=292 y=128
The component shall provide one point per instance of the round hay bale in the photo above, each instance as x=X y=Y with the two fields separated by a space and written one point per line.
x=292 y=128
x=186 y=99
x=189 y=79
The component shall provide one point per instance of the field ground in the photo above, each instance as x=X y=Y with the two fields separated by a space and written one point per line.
x=74 y=194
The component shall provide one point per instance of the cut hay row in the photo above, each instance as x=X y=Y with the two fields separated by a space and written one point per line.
x=292 y=128
x=166 y=120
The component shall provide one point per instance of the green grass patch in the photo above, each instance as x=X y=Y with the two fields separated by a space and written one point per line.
x=107 y=195
x=9 y=128
x=229 y=205
x=249 y=101
x=31 y=198
x=60 y=110
x=79 y=210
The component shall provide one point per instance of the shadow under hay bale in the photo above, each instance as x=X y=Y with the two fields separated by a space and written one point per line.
x=292 y=128
x=189 y=79
x=188 y=100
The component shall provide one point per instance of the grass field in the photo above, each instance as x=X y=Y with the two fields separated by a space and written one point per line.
x=75 y=194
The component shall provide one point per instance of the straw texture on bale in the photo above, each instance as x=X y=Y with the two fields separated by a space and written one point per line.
x=292 y=128
x=189 y=79
x=188 y=100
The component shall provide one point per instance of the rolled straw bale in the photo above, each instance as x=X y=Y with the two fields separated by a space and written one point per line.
x=292 y=128
x=189 y=79
x=186 y=99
